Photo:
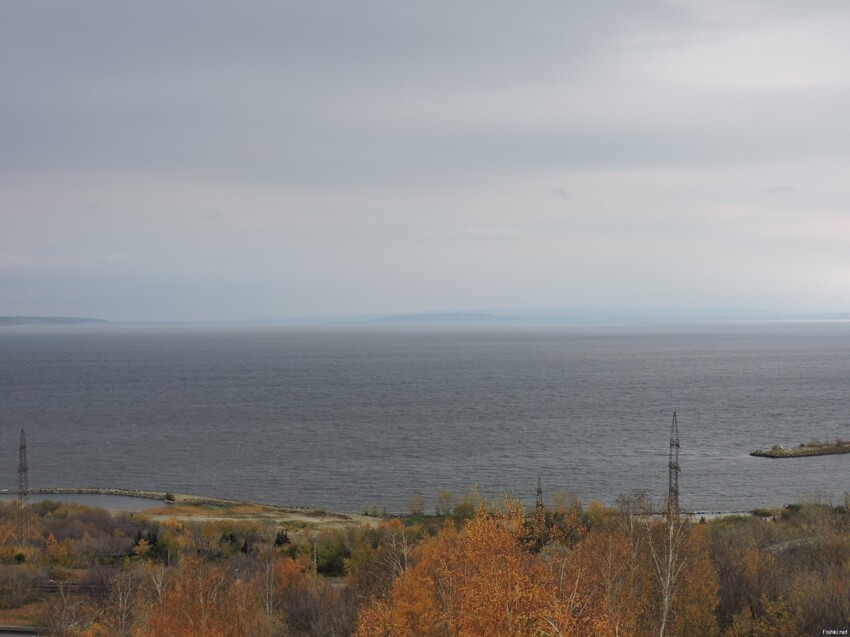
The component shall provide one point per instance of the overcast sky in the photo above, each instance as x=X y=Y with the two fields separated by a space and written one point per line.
x=165 y=160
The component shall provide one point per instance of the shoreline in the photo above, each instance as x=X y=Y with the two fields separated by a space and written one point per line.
x=170 y=498
x=178 y=499
x=191 y=507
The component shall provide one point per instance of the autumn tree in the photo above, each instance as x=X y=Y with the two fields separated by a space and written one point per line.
x=611 y=578
x=775 y=619
x=678 y=577
x=203 y=600
x=416 y=504
x=309 y=605
x=116 y=612
x=64 y=612
x=666 y=545
x=380 y=556
x=444 y=501
x=480 y=580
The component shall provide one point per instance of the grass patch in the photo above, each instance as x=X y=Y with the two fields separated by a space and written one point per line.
x=763 y=513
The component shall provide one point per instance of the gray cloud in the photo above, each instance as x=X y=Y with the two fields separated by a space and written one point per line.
x=296 y=158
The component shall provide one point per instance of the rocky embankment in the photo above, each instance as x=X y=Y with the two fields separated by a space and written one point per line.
x=778 y=451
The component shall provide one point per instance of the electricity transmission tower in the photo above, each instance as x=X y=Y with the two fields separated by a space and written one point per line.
x=23 y=491
x=540 y=517
x=673 y=465
x=539 y=503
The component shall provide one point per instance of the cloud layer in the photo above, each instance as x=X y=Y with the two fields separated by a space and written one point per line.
x=201 y=160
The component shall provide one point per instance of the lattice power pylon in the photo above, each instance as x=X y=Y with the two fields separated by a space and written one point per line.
x=540 y=516
x=673 y=464
x=23 y=492
x=538 y=505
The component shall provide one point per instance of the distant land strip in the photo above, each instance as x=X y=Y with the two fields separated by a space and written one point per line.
x=47 y=320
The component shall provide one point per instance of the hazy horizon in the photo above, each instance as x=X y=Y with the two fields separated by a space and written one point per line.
x=191 y=161
x=497 y=316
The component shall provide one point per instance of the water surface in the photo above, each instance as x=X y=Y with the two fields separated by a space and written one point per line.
x=343 y=417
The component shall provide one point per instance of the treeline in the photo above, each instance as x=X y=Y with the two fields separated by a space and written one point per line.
x=495 y=570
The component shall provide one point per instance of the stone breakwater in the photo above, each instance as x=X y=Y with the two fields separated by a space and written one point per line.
x=801 y=452
x=130 y=493
x=179 y=498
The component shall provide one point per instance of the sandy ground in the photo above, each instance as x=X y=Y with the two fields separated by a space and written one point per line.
x=189 y=507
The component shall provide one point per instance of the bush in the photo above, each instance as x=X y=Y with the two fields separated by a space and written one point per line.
x=416 y=504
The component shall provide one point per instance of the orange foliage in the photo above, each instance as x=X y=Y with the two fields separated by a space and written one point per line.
x=9 y=531
x=610 y=581
x=776 y=619
x=203 y=601
x=479 y=581
x=58 y=552
x=484 y=580
x=292 y=575
x=698 y=597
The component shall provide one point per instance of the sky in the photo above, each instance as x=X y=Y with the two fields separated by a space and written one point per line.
x=204 y=160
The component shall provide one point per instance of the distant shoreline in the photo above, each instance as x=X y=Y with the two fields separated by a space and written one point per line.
x=519 y=317
x=49 y=320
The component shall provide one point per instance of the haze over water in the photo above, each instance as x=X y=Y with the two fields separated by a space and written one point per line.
x=346 y=416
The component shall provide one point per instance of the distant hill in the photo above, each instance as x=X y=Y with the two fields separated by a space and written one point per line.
x=47 y=320
x=445 y=317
